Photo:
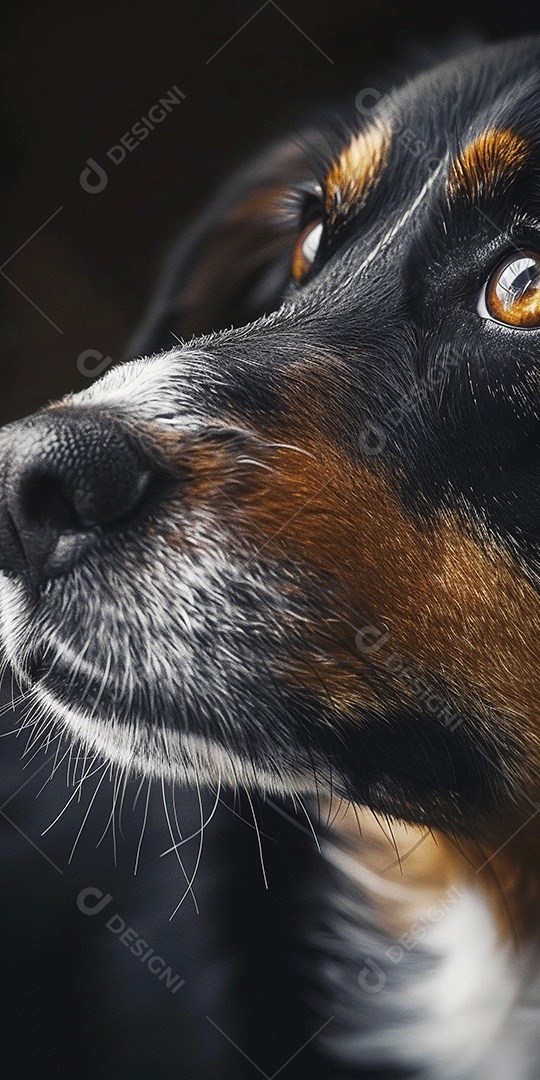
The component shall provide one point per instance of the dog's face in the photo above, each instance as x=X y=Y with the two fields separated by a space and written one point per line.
x=305 y=553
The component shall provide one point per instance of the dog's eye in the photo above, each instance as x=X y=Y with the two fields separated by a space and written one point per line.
x=305 y=250
x=512 y=294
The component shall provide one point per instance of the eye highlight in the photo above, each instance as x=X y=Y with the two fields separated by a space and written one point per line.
x=305 y=250
x=512 y=294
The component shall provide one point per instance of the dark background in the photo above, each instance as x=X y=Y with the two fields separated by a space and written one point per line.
x=75 y=79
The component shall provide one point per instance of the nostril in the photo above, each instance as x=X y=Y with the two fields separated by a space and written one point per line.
x=93 y=484
x=68 y=477
x=111 y=504
x=47 y=501
x=77 y=504
x=43 y=502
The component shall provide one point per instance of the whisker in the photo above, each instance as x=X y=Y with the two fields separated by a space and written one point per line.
x=198 y=831
x=14 y=703
x=200 y=848
x=121 y=807
x=56 y=765
x=138 y=792
x=63 y=810
x=139 y=845
x=175 y=848
x=85 y=818
x=259 y=841
x=240 y=817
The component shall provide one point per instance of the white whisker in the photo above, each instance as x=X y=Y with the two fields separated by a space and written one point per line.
x=199 y=852
x=175 y=846
x=259 y=841
x=143 y=827
x=85 y=818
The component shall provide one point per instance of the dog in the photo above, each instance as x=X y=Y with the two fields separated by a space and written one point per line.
x=297 y=553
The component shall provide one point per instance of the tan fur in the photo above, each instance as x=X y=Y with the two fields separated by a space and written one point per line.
x=495 y=157
x=456 y=606
x=357 y=170
x=432 y=866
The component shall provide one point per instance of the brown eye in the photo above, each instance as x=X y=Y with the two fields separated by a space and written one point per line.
x=305 y=250
x=512 y=294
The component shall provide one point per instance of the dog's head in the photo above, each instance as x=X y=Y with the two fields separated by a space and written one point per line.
x=305 y=552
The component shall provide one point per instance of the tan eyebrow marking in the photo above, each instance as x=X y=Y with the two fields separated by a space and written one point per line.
x=495 y=157
x=357 y=170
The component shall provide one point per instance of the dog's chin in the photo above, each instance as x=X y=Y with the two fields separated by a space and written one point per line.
x=161 y=750
x=373 y=766
x=186 y=758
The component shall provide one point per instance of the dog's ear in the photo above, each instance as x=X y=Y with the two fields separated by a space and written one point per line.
x=234 y=263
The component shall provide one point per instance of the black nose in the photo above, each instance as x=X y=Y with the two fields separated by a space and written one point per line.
x=66 y=475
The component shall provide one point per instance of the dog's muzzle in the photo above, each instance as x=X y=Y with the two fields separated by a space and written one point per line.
x=66 y=475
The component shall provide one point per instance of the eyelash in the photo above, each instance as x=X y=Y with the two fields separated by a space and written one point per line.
x=312 y=209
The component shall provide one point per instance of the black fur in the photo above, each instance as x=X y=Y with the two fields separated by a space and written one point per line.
x=440 y=398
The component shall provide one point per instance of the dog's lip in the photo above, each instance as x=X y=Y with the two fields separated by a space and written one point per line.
x=35 y=668
x=373 y=781
x=378 y=781
x=394 y=784
x=420 y=804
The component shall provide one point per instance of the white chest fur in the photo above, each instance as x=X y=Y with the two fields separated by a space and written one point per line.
x=439 y=992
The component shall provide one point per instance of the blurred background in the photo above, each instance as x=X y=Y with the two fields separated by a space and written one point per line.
x=78 y=262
